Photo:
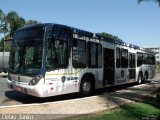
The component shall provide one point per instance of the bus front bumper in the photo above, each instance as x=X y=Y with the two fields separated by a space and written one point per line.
x=25 y=88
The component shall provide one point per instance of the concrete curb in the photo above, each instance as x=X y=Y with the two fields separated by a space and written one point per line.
x=37 y=104
x=87 y=105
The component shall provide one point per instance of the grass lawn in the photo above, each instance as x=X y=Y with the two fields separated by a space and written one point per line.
x=134 y=111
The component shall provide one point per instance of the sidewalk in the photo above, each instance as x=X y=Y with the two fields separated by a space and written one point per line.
x=68 y=108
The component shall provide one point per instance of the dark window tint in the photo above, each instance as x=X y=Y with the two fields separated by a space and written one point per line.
x=79 y=53
x=35 y=33
x=151 y=59
x=118 y=57
x=132 y=60
x=99 y=55
x=145 y=60
x=139 y=59
x=124 y=58
x=94 y=55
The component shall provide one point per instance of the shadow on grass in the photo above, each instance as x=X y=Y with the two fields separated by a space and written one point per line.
x=145 y=93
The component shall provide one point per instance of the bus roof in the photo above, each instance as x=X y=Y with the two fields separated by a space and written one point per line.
x=86 y=34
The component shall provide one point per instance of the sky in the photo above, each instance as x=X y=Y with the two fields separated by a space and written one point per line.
x=134 y=23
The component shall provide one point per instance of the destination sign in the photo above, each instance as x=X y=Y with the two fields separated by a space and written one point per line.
x=86 y=38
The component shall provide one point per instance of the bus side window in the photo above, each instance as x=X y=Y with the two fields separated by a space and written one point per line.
x=118 y=57
x=99 y=55
x=79 y=59
x=57 y=54
x=124 y=58
x=153 y=59
x=139 y=59
x=94 y=55
x=144 y=59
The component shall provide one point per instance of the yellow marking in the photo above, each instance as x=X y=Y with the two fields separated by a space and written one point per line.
x=50 y=74
x=54 y=74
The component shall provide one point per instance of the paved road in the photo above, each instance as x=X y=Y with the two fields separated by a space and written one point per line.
x=3 y=89
x=11 y=97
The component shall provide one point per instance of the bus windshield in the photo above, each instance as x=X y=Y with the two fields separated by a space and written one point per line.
x=26 y=53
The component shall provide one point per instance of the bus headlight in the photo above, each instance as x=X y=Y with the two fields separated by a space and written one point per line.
x=35 y=80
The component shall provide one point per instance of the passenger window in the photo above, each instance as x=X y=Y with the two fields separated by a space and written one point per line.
x=79 y=53
x=94 y=55
x=118 y=57
x=57 y=54
x=132 y=60
x=145 y=61
x=124 y=58
x=139 y=59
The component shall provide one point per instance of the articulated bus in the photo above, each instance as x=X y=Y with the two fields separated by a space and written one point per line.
x=53 y=59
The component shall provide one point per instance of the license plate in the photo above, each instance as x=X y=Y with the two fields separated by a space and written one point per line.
x=18 y=88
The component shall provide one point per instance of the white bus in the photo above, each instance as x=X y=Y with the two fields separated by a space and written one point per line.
x=53 y=59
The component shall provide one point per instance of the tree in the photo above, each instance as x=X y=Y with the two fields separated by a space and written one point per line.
x=31 y=22
x=15 y=22
x=157 y=1
x=109 y=35
x=9 y=23
x=1 y=16
x=3 y=23
x=3 y=29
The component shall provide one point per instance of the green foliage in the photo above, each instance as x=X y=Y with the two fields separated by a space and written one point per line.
x=10 y=22
x=7 y=46
x=157 y=1
x=134 y=111
x=15 y=22
x=109 y=35
x=31 y=22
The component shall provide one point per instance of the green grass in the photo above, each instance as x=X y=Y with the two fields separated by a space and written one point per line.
x=134 y=111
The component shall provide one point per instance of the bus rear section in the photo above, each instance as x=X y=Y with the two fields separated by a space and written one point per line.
x=146 y=66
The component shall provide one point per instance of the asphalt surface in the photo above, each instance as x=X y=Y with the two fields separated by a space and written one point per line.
x=11 y=97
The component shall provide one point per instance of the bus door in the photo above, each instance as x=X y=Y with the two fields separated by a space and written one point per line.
x=108 y=64
x=132 y=69
x=122 y=71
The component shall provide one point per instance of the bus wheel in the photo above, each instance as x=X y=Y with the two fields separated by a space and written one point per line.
x=139 y=81
x=144 y=78
x=86 y=87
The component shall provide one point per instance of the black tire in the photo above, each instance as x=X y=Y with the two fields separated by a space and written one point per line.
x=86 y=87
x=140 y=78
x=145 y=78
